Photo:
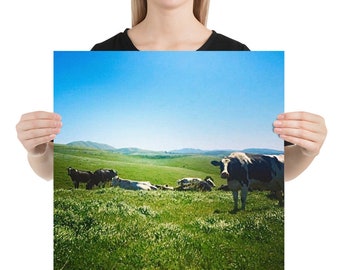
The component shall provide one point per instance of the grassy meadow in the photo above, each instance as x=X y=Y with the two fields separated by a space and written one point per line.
x=112 y=228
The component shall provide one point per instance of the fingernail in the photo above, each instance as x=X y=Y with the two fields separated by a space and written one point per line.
x=277 y=130
x=277 y=123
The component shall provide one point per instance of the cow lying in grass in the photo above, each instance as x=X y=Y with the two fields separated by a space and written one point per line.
x=132 y=184
x=164 y=187
x=198 y=184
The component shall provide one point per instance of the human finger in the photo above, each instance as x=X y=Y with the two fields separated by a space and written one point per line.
x=36 y=133
x=299 y=133
x=297 y=124
x=308 y=147
x=33 y=124
x=33 y=144
x=301 y=116
x=40 y=115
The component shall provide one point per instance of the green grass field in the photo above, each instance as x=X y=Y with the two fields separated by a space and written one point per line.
x=158 y=169
x=111 y=228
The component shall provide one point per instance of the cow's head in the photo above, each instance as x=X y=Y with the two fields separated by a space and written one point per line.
x=113 y=173
x=115 y=181
x=223 y=164
x=210 y=181
x=70 y=170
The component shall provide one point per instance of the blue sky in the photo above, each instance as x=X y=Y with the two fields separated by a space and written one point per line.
x=170 y=100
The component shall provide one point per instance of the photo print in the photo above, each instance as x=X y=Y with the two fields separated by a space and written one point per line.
x=168 y=160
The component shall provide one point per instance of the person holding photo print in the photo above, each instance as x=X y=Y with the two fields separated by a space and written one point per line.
x=174 y=25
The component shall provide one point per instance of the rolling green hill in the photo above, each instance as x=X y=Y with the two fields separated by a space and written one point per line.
x=158 y=168
x=89 y=144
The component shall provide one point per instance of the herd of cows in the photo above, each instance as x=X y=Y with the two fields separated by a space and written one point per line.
x=102 y=176
x=243 y=172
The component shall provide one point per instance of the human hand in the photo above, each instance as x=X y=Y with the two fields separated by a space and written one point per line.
x=303 y=129
x=36 y=129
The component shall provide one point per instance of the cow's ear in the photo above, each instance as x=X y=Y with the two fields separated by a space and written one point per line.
x=215 y=163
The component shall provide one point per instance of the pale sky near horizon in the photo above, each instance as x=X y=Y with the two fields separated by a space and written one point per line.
x=170 y=100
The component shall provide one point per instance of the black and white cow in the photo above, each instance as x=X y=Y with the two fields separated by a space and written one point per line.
x=248 y=171
x=78 y=176
x=206 y=185
x=190 y=183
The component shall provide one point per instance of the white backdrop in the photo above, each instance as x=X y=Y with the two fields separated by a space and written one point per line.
x=32 y=30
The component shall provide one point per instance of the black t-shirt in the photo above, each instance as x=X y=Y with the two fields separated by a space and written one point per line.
x=216 y=42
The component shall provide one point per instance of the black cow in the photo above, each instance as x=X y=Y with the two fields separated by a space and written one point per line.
x=257 y=172
x=101 y=176
x=79 y=176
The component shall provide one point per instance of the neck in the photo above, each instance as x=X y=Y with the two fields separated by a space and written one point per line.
x=170 y=21
x=167 y=28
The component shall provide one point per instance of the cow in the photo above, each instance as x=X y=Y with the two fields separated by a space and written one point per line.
x=164 y=187
x=78 y=176
x=190 y=183
x=132 y=184
x=224 y=187
x=101 y=176
x=251 y=171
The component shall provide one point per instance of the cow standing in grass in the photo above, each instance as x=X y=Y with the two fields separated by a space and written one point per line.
x=257 y=172
x=101 y=176
x=78 y=176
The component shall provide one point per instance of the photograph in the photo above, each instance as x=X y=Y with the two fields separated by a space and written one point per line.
x=176 y=147
x=306 y=32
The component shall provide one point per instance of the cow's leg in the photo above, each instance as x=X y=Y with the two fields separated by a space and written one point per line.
x=76 y=184
x=279 y=196
x=89 y=185
x=235 y=197
x=244 y=193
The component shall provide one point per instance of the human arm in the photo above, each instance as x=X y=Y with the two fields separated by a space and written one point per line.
x=307 y=133
x=35 y=131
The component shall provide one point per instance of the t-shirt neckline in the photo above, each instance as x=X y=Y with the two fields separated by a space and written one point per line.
x=202 y=48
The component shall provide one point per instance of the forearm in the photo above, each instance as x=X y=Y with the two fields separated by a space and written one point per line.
x=42 y=163
x=296 y=161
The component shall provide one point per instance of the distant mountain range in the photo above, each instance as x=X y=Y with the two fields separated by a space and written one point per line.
x=88 y=144
x=222 y=152
x=184 y=151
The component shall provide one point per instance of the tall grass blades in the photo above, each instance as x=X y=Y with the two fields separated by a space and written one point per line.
x=112 y=228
